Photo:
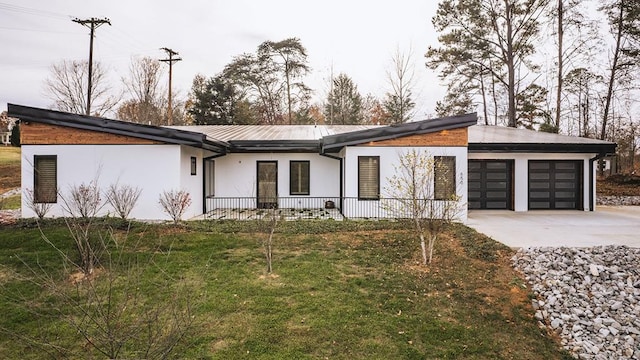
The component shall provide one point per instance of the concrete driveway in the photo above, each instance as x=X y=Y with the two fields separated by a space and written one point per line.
x=608 y=225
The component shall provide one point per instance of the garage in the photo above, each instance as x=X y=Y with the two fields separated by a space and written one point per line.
x=490 y=184
x=555 y=185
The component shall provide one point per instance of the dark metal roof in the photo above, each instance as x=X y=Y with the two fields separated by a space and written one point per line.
x=503 y=139
x=148 y=132
x=334 y=143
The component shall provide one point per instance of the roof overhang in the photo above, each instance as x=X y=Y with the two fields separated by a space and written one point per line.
x=333 y=143
x=275 y=146
x=117 y=127
x=602 y=149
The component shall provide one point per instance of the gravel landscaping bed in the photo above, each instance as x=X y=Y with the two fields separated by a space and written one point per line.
x=617 y=200
x=589 y=297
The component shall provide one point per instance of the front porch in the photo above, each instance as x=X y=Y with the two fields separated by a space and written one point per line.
x=319 y=208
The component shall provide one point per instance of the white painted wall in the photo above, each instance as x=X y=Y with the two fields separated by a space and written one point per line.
x=236 y=176
x=389 y=157
x=192 y=183
x=521 y=172
x=150 y=167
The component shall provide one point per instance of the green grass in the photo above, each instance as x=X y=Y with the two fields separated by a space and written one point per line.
x=10 y=203
x=340 y=290
x=9 y=155
x=9 y=168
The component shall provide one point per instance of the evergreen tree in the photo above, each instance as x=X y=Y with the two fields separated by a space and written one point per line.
x=344 y=102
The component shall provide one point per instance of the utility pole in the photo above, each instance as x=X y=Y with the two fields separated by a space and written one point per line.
x=170 y=60
x=92 y=24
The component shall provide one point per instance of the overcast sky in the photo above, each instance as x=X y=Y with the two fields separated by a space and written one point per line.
x=358 y=38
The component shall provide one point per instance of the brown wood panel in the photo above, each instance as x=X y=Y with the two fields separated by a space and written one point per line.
x=454 y=137
x=44 y=134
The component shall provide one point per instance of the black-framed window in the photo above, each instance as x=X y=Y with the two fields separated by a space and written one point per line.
x=194 y=165
x=299 y=177
x=444 y=177
x=45 y=178
x=369 y=177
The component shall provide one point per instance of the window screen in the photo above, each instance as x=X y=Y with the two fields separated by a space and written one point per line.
x=45 y=182
x=445 y=177
x=368 y=177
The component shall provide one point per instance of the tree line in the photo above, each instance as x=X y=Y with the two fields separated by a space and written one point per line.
x=562 y=66
x=263 y=87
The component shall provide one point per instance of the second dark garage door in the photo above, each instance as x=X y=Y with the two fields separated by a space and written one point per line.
x=555 y=184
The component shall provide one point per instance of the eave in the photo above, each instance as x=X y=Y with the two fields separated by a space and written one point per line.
x=603 y=149
x=334 y=143
x=312 y=146
x=116 y=127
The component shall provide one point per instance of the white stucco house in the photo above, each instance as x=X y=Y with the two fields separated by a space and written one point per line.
x=346 y=167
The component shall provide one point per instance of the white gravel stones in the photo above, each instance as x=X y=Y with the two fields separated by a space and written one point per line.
x=617 y=200
x=590 y=297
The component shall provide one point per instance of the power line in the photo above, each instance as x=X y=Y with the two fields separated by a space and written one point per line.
x=92 y=24
x=30 y=11
x=170 y=61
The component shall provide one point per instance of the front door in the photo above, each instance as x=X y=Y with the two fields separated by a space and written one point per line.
x=267 y=184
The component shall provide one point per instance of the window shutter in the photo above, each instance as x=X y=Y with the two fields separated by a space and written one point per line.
x=369 y=177
x=45 y=179
x=445 y=177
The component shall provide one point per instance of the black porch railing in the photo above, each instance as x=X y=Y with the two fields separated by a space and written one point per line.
x=295 y=207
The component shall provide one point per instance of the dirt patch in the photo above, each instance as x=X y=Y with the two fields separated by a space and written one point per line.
x=619 y=185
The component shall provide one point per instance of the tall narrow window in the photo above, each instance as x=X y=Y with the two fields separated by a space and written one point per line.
x=45 y=183
x=445 y=177
x=209 y=178
x=299 y=178
x=369 y=177
x=194 y=165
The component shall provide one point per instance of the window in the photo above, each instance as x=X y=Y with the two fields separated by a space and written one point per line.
x=209 y=178
x=45 y=184
x=194 y=163
x=369 y=177
x=299 y=178
x=445 y=177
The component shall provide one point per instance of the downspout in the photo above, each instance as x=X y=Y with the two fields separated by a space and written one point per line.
x=204 y=180
x=592 y=206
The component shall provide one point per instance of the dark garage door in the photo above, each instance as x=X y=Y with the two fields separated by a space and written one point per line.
x=555 y=184
x=490 y=184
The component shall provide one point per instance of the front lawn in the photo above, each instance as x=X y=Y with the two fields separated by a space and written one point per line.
x=9 y=168
x=340 y=290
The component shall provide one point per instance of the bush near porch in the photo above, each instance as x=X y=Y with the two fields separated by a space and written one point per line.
x=340 y=290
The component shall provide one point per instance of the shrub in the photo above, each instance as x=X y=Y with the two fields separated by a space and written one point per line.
x=123 y=198
x=175 y=203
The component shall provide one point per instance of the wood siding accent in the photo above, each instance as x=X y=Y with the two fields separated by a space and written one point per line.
x=44 y=134
x=454 y=137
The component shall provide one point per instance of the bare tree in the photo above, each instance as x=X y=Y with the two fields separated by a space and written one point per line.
x=67 y=87
x=414 y=195
x=398 y=102
x=81 y=206
x=175 y=203
x=269 y=223
x=146 y=98
x=624 y=21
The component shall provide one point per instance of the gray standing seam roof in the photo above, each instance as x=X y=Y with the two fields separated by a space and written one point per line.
x=319 y=138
